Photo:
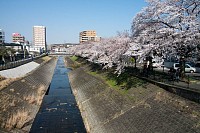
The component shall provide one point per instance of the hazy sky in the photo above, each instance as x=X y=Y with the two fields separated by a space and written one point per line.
x=64 y=19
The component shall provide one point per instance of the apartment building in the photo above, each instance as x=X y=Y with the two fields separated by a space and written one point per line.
x=88 y=36
x=2 y=36
x=39 y=37
x=18 y=38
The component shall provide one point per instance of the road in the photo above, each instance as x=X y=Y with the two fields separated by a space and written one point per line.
x=196 y=75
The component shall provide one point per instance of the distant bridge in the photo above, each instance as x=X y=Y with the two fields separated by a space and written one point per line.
x=58 y=53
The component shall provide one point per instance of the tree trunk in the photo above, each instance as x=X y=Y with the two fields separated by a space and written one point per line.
x=182 y=67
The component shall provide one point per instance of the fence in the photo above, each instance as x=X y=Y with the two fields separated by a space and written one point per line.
x=184 y=88
x=189 y=82
x=14 y=64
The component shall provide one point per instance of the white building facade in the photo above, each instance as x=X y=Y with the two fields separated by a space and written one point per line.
x=39 y=37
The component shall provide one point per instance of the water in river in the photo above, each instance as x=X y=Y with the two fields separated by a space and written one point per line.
x=59 y=112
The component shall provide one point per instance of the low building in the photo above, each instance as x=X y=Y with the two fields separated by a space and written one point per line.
x=34 y=50
x=18 y=38
x=61 y=47
x=16 y=47
x=58 y=48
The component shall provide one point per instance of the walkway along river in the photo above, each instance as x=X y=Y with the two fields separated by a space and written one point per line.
x=59 y=112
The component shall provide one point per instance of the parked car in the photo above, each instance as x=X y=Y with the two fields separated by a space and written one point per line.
x=157 y=63
x=197 y=66
x=192 y=64
x=188 y=68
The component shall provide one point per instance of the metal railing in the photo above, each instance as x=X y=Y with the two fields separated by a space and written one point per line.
x=168 y=78
x=14 y=64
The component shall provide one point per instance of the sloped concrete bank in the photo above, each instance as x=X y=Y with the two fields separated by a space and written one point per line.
x=21 y=100
x=146 y=109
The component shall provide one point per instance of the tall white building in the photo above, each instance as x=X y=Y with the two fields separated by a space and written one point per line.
x=39 y=37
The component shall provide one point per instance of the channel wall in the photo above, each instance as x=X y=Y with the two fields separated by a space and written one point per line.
x=146 y=109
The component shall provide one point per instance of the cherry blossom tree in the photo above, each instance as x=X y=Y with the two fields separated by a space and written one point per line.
x=163 y=29
x=168 y=27
x=108 y=52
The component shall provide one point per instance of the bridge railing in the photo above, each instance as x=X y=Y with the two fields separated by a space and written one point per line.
x=59 y=53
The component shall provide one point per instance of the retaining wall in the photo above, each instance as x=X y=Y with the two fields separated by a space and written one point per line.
x=146 y=109
x=191 y=94
x=23 y=98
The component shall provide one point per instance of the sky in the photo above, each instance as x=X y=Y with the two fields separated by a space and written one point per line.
x=64 y=19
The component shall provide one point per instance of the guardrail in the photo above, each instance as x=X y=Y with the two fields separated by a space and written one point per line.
x=14 y=64
x=58 y=53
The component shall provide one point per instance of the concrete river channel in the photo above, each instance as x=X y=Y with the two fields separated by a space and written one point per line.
x=59 y=112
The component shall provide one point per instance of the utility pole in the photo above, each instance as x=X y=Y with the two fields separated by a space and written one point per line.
x=24 y=50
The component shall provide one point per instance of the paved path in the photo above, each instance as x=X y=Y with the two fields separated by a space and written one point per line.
x=59 y=112
x=19 y=71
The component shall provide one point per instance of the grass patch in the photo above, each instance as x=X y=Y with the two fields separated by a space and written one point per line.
x=192 y=80
x=93 y=73
x=74 y=58
x=109 y=82
x=46 y=58
x=73 y=62
x=124 y=82
x=195 y=113
x=112 y=83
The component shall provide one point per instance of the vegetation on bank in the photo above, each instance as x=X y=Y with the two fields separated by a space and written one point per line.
x=73 y=63
x=25 y=103
x=46 y=58
x=124 y=81
x=74 y=58
x=6 y=81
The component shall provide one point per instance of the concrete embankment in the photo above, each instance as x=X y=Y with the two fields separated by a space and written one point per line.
x=19 y=71
x=146 y=109
x=20 y=101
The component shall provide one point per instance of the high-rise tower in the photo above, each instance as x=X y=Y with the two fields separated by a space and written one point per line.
x=39 y=37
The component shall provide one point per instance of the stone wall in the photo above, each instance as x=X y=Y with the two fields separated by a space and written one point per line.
x=145 y=109
x=189 y=93
x=21 y=100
